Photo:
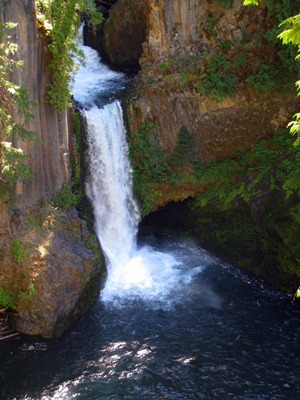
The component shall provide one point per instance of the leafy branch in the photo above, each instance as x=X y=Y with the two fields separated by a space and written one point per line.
x=13 y=164
x=290 y=35
x=61 y=20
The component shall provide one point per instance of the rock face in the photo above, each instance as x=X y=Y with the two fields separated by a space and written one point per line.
x=186 y=31
x=49 y=156
x=127 y=27
x=181 y=36
x=120 y=38
x=220 y=129
x=60 y=275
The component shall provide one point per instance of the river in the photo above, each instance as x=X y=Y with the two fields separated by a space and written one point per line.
x=173 y=321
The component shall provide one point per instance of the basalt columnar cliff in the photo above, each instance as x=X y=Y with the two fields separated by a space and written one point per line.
x=206 y=114
x=172 y=42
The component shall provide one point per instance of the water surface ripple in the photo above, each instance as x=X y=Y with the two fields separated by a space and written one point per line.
x=229 y=337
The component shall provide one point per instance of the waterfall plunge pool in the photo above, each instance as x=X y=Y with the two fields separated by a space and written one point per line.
x=221 y=335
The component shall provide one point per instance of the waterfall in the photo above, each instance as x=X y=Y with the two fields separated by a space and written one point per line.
x=133 y=273
x=110 y=185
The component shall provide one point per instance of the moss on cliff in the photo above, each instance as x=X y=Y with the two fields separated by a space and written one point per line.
x=149 y=166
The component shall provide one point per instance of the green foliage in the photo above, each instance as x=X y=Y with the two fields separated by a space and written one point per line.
x=251 y=2
x=6 y=299
x=239 y=61
x=33 y=222
x=190 y=63
x=209 y=25
x=13 y=164
x=219 y=180
x=76 y=158
x=183 y=71
x=290 y=37
x=295 y=128
x=63 y=48
x=148 y=162
x=164 y=66
x=184 y=79
x=184 y=152
x=28 y=295
x=227 y=4
x=283 y=9
x=20 y=250
x=150 y=197
x=226 y=45
x=170 y=65
x=265 y=79
x=189 y=67
x=64 y=20
x=291 y=33
x=65 y=198
x=269 y=165
x=287 y=53
x=287 y=14
x=220 y=79
x=147 y=157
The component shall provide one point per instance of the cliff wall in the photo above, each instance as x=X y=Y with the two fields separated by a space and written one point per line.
x=181 y=38
x=49 y=155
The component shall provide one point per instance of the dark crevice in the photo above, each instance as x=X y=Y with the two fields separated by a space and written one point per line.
x=110 y=41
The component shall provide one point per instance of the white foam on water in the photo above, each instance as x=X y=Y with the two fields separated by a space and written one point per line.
x=92 y=78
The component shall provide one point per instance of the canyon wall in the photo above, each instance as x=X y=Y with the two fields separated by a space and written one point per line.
x=190 y=31
x=180 y=36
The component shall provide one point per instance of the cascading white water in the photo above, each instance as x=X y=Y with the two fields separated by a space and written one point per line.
x=132 y=273
x=110 y=186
